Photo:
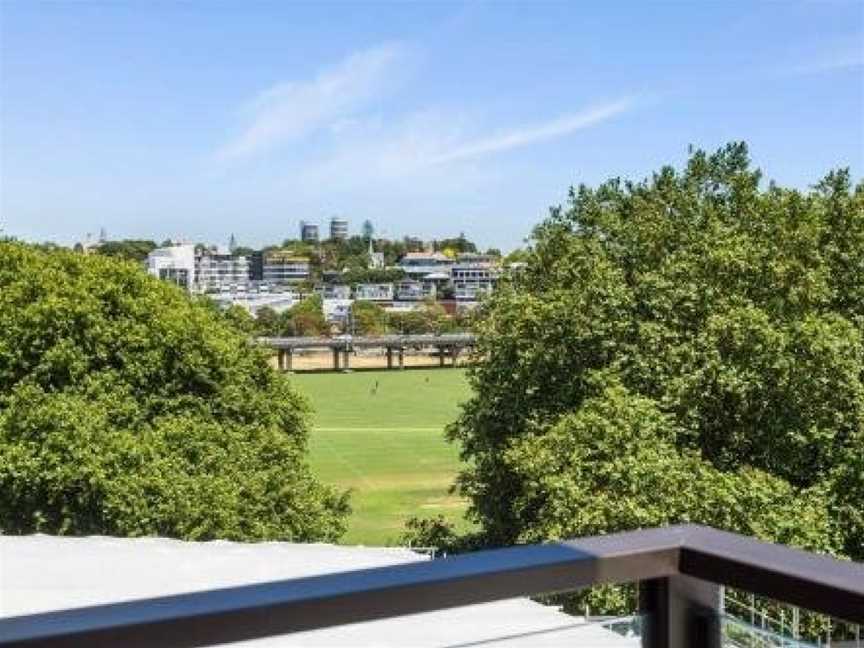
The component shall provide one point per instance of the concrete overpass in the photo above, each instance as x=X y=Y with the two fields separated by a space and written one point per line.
x=448 y=345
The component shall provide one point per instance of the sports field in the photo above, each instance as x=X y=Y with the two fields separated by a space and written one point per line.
x=380 y=434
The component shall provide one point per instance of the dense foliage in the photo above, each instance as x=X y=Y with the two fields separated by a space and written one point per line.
x=129 y=249
x=128 y=409
x=306 y=317
x=686 y=348
x=371 y=275
x=368 y=318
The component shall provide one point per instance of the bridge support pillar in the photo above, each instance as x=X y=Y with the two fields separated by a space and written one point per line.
x=336 y=359
x=389 y=357
x=280 y=359
x=288 y=360
x=454 y=352
x=401 y=357
x=346 y=363
x=440 y=356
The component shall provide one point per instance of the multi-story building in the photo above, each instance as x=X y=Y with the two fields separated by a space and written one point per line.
x=377 y=292
x=256 y=266
x=336 y=310
x=338 y=229
x=308 y=232
x=335 y=291
x=474 y=275
x=258 y=296
x=175 y=264
x=282 y=266
x=217 y=271
x=412 y=290
x=419 y=264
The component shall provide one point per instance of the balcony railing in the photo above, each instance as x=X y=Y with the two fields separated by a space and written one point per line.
x=680 y=569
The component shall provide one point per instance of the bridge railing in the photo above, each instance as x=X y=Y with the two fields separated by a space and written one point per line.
x=369 y=341
x=680 y=570
x=447 y=344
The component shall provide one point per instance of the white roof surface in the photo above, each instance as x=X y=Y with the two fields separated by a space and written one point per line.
x=41 y=573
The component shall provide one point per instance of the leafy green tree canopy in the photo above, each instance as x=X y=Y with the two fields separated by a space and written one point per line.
x=368 y=318
x=686 y=348
x=129 y=249
x=126 y=408
x=307 y=317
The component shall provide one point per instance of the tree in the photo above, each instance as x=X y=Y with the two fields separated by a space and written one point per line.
x=267 y=322
x=129 y=249
x=519 y=255
x=686 y=348
x=369 y=318
x=459 y=244
x=240 y=319
x=307 y=317
x=372 y=275
x=242 y=250
x=127 y=408
x=428 y=317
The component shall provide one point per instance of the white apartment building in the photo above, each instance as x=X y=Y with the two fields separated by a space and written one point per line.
x=257 y=297
x=473 y=276
x=419 y=264
x=175 y=264
x=410 y=290
x=375 y=292
x=336 y=310
x=219 y=271
x=335 y=291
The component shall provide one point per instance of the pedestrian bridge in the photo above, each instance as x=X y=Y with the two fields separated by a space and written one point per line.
x=448 y=345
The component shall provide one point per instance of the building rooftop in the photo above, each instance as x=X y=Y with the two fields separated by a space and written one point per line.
x=436 y=256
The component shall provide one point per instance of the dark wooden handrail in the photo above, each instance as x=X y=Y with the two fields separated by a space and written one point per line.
x=692 y=554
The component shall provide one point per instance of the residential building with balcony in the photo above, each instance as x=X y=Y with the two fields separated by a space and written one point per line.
x=282 y=266
x=256 y=296
x=376 y=292
x=336 y=311
x=419 y=264
x=335 y=291
x=412 y=290
x=217 y=271
x=473 y=276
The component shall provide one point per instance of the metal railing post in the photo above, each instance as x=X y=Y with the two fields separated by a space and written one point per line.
x=680 y=612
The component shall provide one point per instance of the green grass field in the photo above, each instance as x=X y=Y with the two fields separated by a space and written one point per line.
x=386 y=444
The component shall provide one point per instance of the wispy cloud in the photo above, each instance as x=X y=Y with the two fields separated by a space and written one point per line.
x=848 y=61
x=337 y=132
x=524 y=135
x=291 y=110
x=431 y=147
x=841 y=55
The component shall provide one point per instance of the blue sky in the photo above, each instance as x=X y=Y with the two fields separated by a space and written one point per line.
x=198 y=119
